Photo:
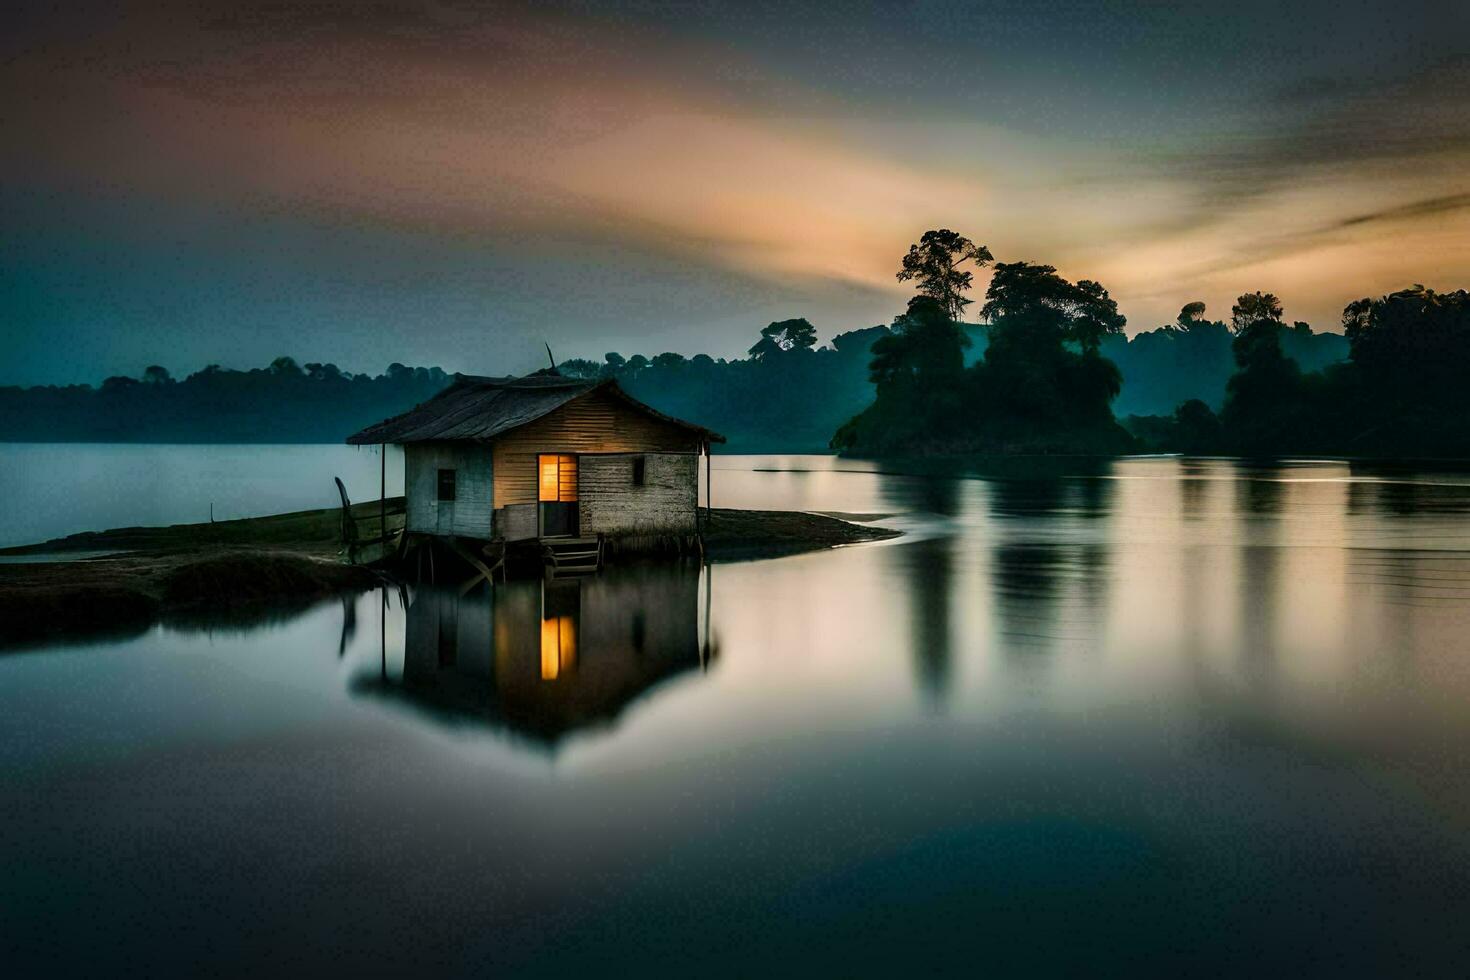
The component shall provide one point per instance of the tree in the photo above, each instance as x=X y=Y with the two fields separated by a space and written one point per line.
x=1412 y=348
x=764 y=349
x=1032 y=392
x=155 y=374
x=579 y=367
x=1197 y=428
x=287 y=367
x=1191 y=315
x=1263 y=399
x=667 y=359
x=1254 y=308
x=1094 y=316
x=1031 y=301
x=934 y=264
x=323 y=372
x=784 y=335
x=923 y=347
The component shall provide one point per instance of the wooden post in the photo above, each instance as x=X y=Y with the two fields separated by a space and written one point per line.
x=709 y=486
x=383 y=494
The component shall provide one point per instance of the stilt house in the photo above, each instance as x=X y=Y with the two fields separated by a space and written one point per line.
x=545 y=457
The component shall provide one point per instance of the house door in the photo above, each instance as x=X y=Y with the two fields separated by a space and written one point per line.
x=557 y=494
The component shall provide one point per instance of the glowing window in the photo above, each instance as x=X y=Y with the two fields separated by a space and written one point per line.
x=557 y=478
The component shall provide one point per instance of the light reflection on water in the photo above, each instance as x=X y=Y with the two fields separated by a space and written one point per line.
x=1155 y=714
x=538 y=661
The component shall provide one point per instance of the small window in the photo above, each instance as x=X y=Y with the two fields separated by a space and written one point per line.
x=638 y=470
x=557 y=479
x=446 y=484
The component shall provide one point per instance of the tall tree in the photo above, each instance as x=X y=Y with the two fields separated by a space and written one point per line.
x=1190 y=315
x=1094 y=315
x=1254 y=308
x=784 y=335
x=934 y=264
x=1263 y=399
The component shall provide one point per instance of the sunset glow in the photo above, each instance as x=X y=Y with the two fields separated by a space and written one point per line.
x=628 y=183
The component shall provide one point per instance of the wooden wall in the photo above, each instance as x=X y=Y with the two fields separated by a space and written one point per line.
x=598 y=423
x=518 y=522
x=469 y=513
x=666 y=504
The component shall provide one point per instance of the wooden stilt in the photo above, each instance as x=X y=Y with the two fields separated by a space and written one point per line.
x=475 y=562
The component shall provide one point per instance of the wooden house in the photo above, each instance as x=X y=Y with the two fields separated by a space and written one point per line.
x=545 y=457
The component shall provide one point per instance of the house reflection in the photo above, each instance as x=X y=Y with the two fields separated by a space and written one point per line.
x=544 y=659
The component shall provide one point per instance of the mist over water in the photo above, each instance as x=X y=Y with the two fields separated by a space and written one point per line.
x=1083 y=716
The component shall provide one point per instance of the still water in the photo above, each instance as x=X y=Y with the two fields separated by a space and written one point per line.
x=55 y=489
x=1152 y=715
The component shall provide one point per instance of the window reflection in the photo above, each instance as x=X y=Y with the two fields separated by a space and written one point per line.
x=546 y=658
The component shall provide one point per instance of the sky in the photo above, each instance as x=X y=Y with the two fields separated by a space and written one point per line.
x=456 y=184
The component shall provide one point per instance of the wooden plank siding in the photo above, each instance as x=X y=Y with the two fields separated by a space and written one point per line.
x=469 y=513
x=597 y=423
x=666 y=503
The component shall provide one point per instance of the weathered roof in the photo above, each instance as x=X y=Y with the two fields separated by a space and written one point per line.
x=480 y=409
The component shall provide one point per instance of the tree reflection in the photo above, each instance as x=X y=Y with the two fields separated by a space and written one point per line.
x=929 y=573
x=1259 y=496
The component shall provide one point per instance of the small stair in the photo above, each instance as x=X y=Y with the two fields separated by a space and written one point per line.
x=572 y=556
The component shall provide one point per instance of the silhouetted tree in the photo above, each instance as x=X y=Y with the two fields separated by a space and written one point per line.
x=1042 y=385
x=934 y=264
x=579 y=367
x=783 y=336
x=1263 y=400
x=1252 y=309
x=1191 y=315
x=1199 y=429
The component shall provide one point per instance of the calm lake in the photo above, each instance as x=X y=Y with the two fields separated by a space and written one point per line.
x=1139 y=716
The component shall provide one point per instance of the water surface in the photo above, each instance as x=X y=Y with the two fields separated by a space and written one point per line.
x=1153 y=715
x=55 y=489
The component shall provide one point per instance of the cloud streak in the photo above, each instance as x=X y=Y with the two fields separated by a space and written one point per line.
x=630 y=176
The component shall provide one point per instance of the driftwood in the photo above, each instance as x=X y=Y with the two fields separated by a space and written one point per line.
x=354 y=545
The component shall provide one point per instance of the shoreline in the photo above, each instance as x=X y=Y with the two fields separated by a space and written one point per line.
x=253 y=570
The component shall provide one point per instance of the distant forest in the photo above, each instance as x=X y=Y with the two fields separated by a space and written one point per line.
x=1047 y=370
x=789 y=394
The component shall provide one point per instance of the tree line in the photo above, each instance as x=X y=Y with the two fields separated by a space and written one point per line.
x=1401 y=392
x=1047 y=369
x=282 y=402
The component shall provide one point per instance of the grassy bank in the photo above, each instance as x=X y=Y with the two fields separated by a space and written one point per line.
x=244 y=571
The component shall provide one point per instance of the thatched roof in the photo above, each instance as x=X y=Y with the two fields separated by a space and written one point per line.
x=480 y=409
